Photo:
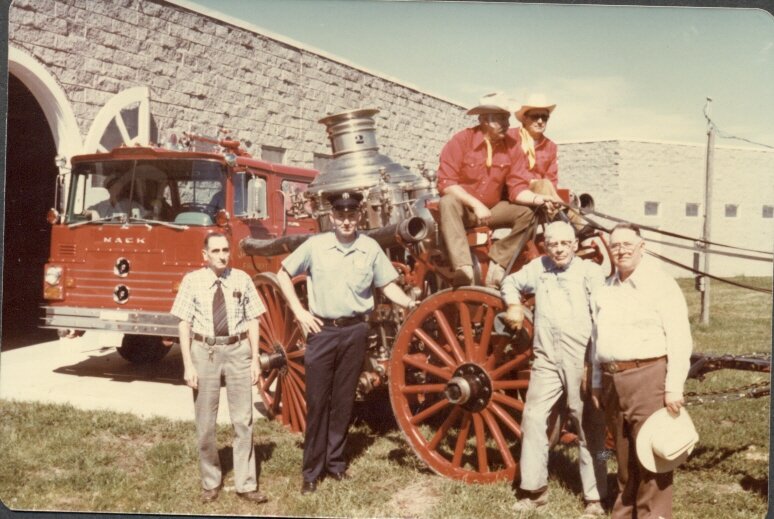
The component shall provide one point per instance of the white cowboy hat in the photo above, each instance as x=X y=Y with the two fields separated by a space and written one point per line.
x=534 y=101
x=665 y=441
x=493 y=103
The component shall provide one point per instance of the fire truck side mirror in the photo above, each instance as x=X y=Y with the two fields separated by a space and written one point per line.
x=256 y=197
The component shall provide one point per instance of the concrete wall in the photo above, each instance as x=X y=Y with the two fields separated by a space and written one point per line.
x=623 y=175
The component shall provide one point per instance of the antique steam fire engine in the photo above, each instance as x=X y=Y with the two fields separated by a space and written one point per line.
x=456 y=379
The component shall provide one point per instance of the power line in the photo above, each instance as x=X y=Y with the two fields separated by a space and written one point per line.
x=724 y=135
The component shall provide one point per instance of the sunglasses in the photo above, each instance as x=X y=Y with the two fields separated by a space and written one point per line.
x=536 y=116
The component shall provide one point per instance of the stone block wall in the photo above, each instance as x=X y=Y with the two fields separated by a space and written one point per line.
x=205 y=73
x=624 y=175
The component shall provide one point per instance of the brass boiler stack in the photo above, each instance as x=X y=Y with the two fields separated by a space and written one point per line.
x=391 y=193
x=394 y=197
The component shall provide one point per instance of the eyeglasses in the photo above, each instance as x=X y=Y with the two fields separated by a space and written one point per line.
x=535 y=116
x=623 y=246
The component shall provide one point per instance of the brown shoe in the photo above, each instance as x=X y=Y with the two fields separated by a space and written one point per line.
x=254 y=496
x=208 y=496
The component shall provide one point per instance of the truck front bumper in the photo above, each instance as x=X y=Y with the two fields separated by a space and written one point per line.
x=124 y=321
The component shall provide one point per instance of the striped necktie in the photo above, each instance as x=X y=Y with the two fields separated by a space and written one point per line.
x=219 y=316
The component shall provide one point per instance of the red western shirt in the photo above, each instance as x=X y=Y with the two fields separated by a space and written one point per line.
x=463 y=162
x=545 y=159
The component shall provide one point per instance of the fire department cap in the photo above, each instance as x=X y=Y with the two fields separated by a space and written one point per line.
x=346 y=200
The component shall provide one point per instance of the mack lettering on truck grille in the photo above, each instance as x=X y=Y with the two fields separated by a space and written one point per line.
x=119 y=240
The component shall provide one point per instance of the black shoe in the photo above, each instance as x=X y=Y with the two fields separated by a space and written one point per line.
x=308 y=487
x=339 y=476
x=254 y=496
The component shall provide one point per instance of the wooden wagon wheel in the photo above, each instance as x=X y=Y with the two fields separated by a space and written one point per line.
x=282 y=387
x=457 y=387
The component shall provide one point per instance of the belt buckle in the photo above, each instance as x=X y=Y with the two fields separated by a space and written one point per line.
x=612 y=367
x=210 y=341
x=339 y=322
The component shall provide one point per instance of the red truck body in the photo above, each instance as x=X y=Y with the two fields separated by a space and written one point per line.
x=120 y=271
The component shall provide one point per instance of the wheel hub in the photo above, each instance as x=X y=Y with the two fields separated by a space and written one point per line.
x=470 y=387
x=276 y=360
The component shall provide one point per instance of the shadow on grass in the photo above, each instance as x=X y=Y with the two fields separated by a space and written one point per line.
x=263 y=452
x=758 y=486
x=704 y=458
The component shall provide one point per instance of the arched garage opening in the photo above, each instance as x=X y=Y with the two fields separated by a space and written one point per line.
x=29 y=193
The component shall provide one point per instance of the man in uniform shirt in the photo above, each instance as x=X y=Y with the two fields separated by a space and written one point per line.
x=642 y=349
x=562 y=284
x=218 y=309
x=476 y=165
x=342 y=267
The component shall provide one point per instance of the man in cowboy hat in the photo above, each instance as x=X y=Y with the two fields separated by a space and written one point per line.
x=642 y=347
x=476 y=165
x=342 y=268
x=540 y=155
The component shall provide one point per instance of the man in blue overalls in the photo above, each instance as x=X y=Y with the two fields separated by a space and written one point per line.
x=342 y=268
x=562 y=284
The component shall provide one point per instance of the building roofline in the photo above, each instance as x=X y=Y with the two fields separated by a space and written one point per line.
x=236 y=22
x=670 y=143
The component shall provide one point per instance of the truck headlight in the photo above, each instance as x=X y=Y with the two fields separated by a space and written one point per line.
x=53 y=275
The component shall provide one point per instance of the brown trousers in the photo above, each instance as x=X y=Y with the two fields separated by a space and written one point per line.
x=456 y=217
x=629 y=398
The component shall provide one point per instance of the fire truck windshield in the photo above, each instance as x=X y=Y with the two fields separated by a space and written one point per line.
x=172 y=191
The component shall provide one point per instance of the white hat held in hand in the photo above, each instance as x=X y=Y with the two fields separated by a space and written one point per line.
x=665 y=441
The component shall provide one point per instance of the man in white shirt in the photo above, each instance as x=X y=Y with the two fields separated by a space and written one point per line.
x=642 y=347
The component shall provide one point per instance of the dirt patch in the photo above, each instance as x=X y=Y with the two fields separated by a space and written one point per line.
x=415 y=500
x=756 y=455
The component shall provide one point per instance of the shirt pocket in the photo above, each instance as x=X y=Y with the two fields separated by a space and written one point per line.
x=473 y=167
x=361 y=278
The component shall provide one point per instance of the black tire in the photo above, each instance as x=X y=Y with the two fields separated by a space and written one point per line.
x=142 y=349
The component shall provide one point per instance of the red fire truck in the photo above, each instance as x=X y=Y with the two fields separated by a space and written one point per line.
x=134 y=221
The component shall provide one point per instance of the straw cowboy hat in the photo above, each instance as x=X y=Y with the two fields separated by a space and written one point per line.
x=665 y=441
x=534 y=102
x=493 y=103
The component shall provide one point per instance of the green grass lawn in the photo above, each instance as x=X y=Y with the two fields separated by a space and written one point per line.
x=59 y=458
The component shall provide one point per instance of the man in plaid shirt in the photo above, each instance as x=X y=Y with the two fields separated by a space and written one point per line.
x=215 y=341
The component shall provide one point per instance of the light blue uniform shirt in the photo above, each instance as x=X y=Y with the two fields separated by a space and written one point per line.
x=341 y=278
x=562 y=304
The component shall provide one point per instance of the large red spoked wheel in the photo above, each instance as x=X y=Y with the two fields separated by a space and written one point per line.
x=457 y=387
x=282 y=385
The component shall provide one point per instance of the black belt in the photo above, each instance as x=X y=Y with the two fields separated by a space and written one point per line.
x=622 y=365
x=341 y=322
x=223 y=340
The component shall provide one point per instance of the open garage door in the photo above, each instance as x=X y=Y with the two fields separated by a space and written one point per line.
x=29 y=193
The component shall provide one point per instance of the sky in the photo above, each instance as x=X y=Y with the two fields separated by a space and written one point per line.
x=615 y=72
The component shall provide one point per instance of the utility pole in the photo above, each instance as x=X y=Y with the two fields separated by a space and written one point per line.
x=705 y=281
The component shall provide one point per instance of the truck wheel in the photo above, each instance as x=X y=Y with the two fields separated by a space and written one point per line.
x=142 y=349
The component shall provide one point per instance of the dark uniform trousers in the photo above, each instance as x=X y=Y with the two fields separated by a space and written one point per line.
x=629 y=398
x=333 y=361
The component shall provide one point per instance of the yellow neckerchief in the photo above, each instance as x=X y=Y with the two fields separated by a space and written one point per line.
x=488 y=152
x=528 y=146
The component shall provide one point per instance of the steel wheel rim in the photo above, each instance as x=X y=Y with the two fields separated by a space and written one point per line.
x=283 y=390
x=480 y=442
